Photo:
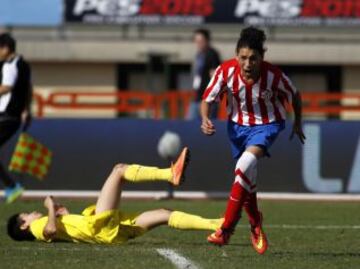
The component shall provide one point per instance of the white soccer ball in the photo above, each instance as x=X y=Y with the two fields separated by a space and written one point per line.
x=169 y=145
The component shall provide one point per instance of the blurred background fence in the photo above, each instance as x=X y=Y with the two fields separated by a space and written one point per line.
x=173 y=104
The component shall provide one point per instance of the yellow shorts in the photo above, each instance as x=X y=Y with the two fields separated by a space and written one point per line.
x=113 y=226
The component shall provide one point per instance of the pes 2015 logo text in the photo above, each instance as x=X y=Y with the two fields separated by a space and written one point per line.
x=296 y=8
x=144 y=7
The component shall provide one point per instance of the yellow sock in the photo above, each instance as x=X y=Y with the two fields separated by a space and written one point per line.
x=138 y=173
x=184 y=221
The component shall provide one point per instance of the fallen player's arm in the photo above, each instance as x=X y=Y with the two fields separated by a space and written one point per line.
x=61 y=210
x=50 y=228
x=4 y=89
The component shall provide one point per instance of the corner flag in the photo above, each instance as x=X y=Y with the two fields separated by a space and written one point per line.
x=30 y=157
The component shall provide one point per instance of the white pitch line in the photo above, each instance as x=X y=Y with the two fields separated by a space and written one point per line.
x=179 y=261
x=192 y=195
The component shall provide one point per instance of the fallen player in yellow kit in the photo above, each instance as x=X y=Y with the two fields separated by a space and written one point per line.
x=104 y=223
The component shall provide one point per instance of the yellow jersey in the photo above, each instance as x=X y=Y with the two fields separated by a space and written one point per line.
x=109 y=227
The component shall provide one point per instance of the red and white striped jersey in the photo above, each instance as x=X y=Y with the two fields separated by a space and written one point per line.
x=251 y=104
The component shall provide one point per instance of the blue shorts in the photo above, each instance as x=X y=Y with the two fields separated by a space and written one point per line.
x=242 y=137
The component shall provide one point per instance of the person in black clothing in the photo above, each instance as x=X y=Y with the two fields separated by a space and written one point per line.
x=205 y=63
x=15 y=100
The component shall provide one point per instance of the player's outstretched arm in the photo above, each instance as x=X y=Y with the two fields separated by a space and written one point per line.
x=207 y=127
x=297 y=127
x=50 y=228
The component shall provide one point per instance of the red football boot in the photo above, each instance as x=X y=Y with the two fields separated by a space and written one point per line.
x=220 y=237
x=258 y=237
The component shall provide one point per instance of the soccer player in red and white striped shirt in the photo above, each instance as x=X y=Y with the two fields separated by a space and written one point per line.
x=257 y=92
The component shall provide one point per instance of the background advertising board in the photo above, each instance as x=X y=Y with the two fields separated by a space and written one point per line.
x=84 y=152
x=255 y=12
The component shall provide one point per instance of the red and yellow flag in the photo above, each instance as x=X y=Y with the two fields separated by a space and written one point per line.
x=30 y=157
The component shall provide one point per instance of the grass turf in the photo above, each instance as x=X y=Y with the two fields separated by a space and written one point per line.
x=289 y=248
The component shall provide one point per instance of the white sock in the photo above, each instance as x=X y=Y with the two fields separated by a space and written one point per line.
x=254 y=178
x=246 y=170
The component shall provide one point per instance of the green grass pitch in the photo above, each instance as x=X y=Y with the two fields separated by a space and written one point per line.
x=302 y=247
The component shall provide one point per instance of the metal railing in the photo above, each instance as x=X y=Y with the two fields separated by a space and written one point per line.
x=175 y=104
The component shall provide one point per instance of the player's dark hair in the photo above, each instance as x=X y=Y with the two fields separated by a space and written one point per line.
x=6 y=40
x=15 y=232
x=204 y=32
x=252 y=38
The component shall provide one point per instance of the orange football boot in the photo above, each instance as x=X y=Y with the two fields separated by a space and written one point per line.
x=178 y=168
x=258 y=237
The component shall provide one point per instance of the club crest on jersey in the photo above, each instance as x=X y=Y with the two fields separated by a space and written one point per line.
x=267 y=94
